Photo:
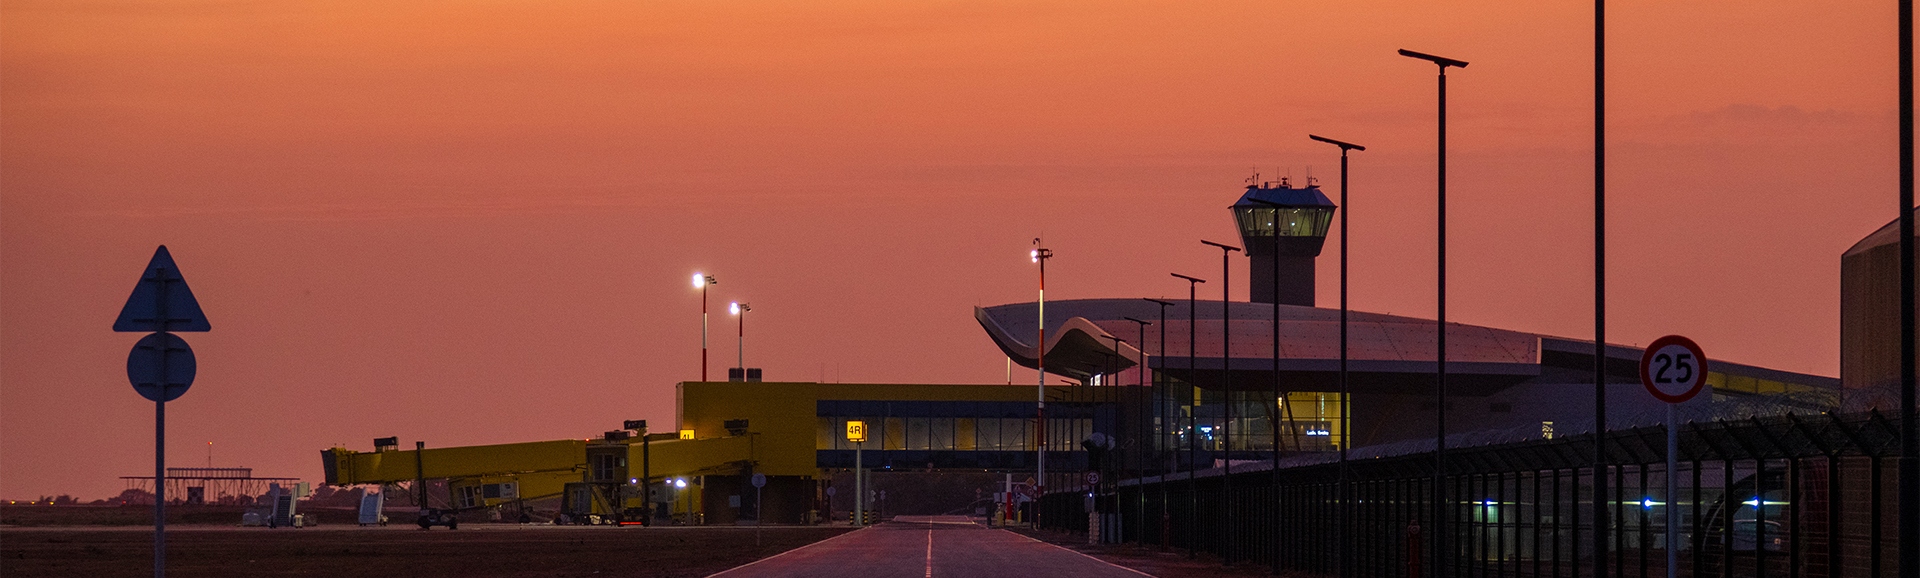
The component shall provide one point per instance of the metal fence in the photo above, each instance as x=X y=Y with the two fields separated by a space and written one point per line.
x=1791 y=496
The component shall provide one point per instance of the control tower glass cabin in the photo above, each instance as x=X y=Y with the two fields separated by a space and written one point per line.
x=1301 y=226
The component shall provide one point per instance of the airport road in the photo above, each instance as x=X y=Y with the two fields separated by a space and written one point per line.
x=930 y=547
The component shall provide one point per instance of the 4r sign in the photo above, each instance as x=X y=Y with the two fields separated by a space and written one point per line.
x=1673 y=369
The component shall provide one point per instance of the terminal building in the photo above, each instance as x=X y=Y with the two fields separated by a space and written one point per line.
x=1870 y=312
x=1202 y=395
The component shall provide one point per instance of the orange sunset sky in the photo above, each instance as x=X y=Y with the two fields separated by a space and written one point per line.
x=474 y=222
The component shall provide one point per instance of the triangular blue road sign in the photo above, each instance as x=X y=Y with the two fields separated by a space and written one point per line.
x=143 y=310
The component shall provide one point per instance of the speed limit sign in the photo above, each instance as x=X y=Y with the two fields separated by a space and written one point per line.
x=1673 y=369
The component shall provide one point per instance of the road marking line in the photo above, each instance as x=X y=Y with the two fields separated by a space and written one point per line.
x=788 y=552
x=1083 y=555
x=929 y=549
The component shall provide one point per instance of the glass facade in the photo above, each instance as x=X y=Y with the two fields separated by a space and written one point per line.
x=987 y=434
x=1290 y=222
x=951 y=426
x=1308 y=421
x=995 y=435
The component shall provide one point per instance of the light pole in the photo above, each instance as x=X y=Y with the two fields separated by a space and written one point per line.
x=740 y=310
x=1040 y=254
x=701 y=282
x=1909 y=431
x=1601 y=523
x=1146 y=428
x=1440 y=553
x=1162 y=399
x=1226 y=387
x=1193 y=425
x=1346 y=416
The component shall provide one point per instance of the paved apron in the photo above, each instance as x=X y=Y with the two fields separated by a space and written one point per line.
x=930 y=547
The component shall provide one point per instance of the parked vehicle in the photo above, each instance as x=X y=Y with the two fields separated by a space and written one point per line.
x=431 y=517
x=1746 y=531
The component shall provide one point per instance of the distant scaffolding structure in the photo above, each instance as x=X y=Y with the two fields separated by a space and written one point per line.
x=209 y=485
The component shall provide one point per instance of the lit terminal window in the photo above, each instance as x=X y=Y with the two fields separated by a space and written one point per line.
x=686 y=434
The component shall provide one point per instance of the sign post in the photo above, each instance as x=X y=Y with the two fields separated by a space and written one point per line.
x=857 y=433
x=759 y=509
x=161 y=366
x=1674 y=370
x=639 y=426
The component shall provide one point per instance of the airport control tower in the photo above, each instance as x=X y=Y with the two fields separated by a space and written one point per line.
x=1288 y=237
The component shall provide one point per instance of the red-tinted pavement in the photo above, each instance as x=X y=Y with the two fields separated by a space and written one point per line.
x=930 y=547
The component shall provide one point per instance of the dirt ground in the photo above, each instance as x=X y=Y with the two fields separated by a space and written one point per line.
x=346 y=550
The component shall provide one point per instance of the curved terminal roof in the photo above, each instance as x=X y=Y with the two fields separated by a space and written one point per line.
x=1386 y=353
x=1079 y=342
x=1883 y=236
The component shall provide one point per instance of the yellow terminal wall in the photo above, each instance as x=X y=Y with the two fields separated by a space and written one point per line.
x=782 y=416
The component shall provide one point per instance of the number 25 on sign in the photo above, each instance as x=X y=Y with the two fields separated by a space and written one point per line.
x=1673 y=369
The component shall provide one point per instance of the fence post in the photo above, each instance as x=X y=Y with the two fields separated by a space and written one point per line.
x=1413 y=549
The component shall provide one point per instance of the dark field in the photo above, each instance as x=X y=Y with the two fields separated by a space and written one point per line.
x=23 y=515
x=347 y=550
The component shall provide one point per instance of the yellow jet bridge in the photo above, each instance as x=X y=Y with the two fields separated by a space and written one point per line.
x=603 y=474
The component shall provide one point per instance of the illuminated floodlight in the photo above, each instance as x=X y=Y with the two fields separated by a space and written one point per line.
x=635 y=481
x=1035 y=255
x=699 y=280
x=734 y=308
x=1646 y=503
x=680 y=483
x=1486 y=502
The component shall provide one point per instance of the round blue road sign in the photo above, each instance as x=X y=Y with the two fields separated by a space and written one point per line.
x=161 y=371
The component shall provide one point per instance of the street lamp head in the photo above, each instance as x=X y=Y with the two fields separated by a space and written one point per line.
x=1188 y=279
x=1144 y=322
x=737 y=308
x=1035 y=254
x=1229 y=248
x=1343 y=145
x=1440 y=60
x=1163 y=304
x=1040 y=254
x=699 y=280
